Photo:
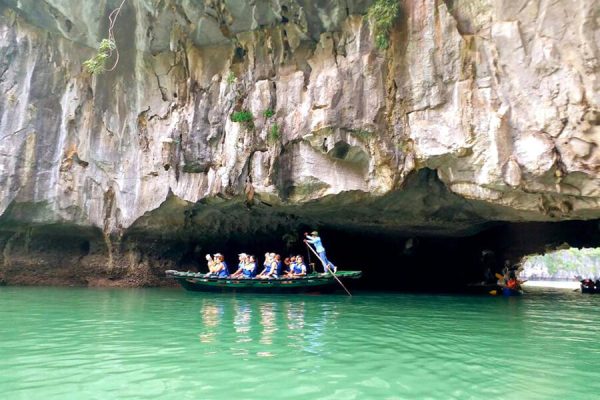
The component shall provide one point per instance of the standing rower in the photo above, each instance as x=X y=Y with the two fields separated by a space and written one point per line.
x=314 y=239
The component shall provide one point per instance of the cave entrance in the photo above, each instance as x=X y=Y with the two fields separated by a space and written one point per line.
x=447 y=264
x=403 y=262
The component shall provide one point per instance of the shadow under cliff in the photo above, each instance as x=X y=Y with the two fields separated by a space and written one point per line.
x=421 y=237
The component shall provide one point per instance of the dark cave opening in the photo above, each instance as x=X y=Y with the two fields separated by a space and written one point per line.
x=399 y=258
x=398 y=262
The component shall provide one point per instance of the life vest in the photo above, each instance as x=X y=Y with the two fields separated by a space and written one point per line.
x=248 y=270
x=512 y=284
x=223 y=272
x=275 y=268
x=289 y=268
x=299 y=268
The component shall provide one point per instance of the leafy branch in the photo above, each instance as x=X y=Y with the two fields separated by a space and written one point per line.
x=108 y=47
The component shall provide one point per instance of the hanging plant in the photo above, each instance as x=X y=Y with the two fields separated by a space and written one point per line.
x=107 y=49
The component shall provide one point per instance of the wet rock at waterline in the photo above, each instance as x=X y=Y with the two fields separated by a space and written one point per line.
x=476 y=112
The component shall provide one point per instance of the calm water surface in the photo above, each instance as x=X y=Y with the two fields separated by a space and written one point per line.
x=58 y=343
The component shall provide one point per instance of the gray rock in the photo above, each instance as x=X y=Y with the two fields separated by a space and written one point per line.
x=502 y=99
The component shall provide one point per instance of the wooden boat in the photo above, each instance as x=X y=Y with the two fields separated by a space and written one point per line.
x=589 y=287
x=507 y=292
x=312 y=283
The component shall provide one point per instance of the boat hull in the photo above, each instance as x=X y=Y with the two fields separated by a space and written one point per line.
x=589 y=290
x=510 y=292
x=316 y=283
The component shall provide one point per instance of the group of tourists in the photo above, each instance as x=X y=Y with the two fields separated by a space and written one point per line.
x=273 y=267
x=590 y=286
x=509 y=279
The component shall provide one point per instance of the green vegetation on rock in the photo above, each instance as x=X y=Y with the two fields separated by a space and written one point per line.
x=107 y=48
x=274 y=133
x=564 y=263
x=231 y=78
x=97 y=64
x=243 y=117
x=382 y=15
x=268 y=113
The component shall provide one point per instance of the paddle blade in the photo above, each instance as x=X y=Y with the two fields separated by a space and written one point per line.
x=499 y=276
x=493 y=292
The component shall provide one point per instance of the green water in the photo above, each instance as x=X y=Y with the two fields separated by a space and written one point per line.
x=58 y=343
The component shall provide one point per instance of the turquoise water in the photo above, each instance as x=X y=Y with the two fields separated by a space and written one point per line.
x=58 y=343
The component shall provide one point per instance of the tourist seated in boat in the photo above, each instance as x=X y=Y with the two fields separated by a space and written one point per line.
x=220 y=267
x=210 y=262
x=297 y=268
x=279 y=265
x=588 y=284
x=286 y=266
x=315 y=240
x=212 y=265
x=512 y=284
x=249 y=270
x=273 y=269
x=267 y=262
x=242 y=257
x=511 y=281
x=292 y=263
x=266 y=266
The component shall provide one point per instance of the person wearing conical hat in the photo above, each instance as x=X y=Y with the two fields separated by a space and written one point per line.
x=315 y=240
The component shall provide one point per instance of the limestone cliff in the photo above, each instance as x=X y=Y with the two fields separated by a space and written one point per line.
x=500 y=98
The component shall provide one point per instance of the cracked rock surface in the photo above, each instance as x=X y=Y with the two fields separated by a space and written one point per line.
x=500 y=98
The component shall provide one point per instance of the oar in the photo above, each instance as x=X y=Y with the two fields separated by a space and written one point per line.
x=330 y=271
x=310 y=262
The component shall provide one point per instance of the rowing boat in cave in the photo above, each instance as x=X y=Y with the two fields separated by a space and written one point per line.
x=312 y=283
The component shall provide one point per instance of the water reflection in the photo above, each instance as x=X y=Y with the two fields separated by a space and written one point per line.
x=212 y=312
x=262 y=326
x=267 y=321
x=242 y=321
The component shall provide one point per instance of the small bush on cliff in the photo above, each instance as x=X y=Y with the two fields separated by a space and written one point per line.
x=243 y=117
x=231 y=78
x=274 y=134
x=268 y=113
x=382 y=15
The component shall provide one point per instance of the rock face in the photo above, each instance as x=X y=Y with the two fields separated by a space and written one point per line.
x=500 y=98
